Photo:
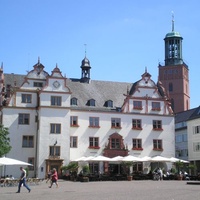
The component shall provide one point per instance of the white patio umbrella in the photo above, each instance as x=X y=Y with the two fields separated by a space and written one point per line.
x=89 y=158
x=80 y=159
x=160 y=159
x=11 y=161
x=131 y=158
x=173 y=159
x=116 y=159
x=145 y=159
x=101 y=158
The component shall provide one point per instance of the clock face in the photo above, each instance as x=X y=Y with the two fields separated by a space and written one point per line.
x=56 y=84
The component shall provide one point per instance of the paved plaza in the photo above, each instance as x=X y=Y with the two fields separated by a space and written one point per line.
x=110 y=190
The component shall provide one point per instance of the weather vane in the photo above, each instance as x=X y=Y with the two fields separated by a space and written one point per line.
x=85 y=49
x=172 y=21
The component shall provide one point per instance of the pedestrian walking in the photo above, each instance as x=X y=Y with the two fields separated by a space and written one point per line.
x=23 y=180
x=54 y=178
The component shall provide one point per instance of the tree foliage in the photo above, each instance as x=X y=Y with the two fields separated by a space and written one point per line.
x=4 y=141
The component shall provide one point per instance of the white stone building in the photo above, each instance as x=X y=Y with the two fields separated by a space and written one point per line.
x=193 y=127
x=53 y=120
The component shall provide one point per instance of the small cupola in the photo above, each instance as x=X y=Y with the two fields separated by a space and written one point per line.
x=173 y=47
x=85 y=68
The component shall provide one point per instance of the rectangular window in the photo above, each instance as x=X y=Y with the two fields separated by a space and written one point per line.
x=183 y=153
x=178 y=138
x=37 y=84
x=31 y=161
x=115 y=143
x=137 y=144
x=94 y=122
x=196 y=146
x=73 y=142
x=73 y=121
x=26 y=98
x=55 y=128
x=138 y=167
x=94 y=168
x=185 y=138
x=137 y=105
x=157 y=145
x=196 y=129
x=136 y=124
x=56 y=101
x=94 y=142
x=28 y=141
x=54 y=151
x=24 y=118
x=157 y=125
x=115 y=123
x=156 y=106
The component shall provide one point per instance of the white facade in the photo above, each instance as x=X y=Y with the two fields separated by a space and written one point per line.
x=50 y=114
x=194 y=139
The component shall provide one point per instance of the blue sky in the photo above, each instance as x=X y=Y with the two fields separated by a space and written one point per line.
x=122 y=37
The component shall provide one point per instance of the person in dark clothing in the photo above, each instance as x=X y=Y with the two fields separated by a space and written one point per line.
x=23 y=180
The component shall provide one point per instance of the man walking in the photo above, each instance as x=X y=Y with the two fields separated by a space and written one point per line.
x=23 y=180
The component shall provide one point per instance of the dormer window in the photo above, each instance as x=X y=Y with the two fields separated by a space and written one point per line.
x=109 y=104
x=91 y=102
x=74 y=101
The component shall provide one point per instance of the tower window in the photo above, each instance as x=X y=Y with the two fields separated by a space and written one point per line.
x=170 y=87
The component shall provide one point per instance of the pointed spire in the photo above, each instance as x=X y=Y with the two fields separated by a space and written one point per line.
x=2 y=65
x=145 y=69
x=172 y=21
x=38 y=59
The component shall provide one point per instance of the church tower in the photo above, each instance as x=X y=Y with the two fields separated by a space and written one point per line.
x=174 y=75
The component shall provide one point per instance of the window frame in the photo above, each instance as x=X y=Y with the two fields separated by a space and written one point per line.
x=73 y=142
x=37 y=84
x=26 y=98
x=56 y=150
x=74 y=121
x=55 y=128
x=137 y=105
x=115 y=143
x=91 y=102
x=196 y=130
x=94 y=143
x=27 y=141
x=24 y=119
x=157 y=125
x=137 y=124
x=137 y=144
x=155 y=106
x=116 y=123
x=74 y=101
x=157 y=145
x=56 y=101
x=94 y=122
